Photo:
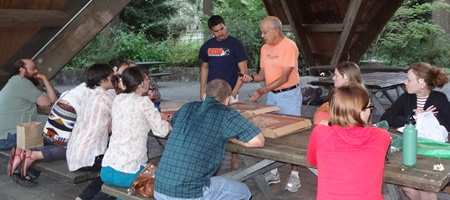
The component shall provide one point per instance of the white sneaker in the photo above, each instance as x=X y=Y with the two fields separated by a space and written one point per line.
x=293 y=183
x=271 y=178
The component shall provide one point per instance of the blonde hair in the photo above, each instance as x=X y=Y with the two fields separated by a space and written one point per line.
x=432 y=76
x=350 y=71
x=346 y=104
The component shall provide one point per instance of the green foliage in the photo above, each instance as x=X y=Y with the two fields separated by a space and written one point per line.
x=153 y=13
x=242 y=18
x=410 y=37
x=112 y=43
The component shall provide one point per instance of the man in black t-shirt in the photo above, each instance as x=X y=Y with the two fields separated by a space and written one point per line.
x=222 y=57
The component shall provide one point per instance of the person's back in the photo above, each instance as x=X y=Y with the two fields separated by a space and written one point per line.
x=198 y=140
x=196 y=146
x=350 y=161
x=349 y=153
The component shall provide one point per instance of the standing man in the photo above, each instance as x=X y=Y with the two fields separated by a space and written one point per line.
x=279 y=68
x=196 y=146
x=222 y=57
x=19 y=98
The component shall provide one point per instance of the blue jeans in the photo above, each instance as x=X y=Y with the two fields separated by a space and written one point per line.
x=51 y=151
x=121 y=179
x=9 y=142
x=220 y=188
x=290 y=102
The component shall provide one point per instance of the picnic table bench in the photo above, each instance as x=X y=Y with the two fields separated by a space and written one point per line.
x=58 y=169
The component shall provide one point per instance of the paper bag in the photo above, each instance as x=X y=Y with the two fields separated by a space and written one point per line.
x=29 y=135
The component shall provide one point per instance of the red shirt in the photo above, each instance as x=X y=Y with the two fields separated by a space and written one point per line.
x=350 y=162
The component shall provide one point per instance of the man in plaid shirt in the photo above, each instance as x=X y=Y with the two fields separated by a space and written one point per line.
x=196 y=146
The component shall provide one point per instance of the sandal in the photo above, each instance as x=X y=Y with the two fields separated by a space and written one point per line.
x=26 y=162
x=23 y=181
x=12 y=165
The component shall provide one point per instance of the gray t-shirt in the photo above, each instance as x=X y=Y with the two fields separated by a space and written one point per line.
x=17 y=98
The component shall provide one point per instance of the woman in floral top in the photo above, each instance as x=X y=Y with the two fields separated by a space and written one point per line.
x=133 y=116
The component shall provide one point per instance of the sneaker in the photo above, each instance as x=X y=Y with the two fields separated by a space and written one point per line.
x=271 y=178
x=293 y=184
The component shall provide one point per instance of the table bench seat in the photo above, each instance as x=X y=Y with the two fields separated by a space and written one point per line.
x=58 y=169
x=121 y=192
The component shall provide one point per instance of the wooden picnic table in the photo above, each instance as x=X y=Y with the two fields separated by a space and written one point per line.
x=375 y=82
x=292 y=149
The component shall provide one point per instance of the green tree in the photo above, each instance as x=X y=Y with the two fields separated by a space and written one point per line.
x=410 y=37
x=153 y=13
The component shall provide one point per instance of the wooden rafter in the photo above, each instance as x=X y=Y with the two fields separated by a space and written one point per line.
x=347 y=32
x=27 y=17
x=332 y=27
x=289 y=7
x=88 y=23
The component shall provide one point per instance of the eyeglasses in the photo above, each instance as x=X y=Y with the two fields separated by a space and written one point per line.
x=370 y=106
x=266 y=32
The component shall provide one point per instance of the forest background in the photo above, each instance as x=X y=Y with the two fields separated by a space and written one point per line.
x=172 y=31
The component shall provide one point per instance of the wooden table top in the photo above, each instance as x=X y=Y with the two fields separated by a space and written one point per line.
x=376 y=80
x=292 y=149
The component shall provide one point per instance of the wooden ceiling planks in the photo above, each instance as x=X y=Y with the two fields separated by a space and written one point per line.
x=330 y=31
x=21 y=20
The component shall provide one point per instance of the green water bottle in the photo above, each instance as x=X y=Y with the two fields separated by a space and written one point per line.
x=409 y=155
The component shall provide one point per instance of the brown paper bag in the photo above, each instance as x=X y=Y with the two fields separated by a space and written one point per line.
x=29 y=135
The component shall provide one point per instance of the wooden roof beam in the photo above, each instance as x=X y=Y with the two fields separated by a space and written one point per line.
x=88 y=23
x=296 y=22
x=347 y=32
x=332 y=27
x=28 y=17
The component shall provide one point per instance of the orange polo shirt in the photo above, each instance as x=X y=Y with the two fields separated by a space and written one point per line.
x=274 y=58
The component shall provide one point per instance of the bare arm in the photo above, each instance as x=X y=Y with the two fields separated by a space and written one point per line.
x=49 y=97
x=286 y=71
x=257 y=141
x=203 y=78
x=244 y=70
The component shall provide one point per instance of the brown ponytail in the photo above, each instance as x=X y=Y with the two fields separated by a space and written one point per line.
x=433 y=76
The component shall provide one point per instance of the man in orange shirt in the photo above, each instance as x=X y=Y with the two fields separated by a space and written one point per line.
x=279 y=68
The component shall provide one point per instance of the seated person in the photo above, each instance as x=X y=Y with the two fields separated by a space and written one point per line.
x=196 y=146
x=349 y=153
x=89 y=138
x=133 y=116
x=345 y=73
x=418 y=98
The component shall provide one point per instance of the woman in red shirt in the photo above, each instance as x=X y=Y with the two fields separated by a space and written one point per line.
x=349 y=153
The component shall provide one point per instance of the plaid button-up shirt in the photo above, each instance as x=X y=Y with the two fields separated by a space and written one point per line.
x=196 y=146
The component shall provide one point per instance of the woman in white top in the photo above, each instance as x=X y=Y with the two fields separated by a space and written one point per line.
x=133 y=116
x=90 y=135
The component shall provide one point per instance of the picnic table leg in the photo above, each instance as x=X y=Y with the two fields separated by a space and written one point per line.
x=259 y=180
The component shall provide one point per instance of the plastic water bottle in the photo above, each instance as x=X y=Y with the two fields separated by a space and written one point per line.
x=409 y=155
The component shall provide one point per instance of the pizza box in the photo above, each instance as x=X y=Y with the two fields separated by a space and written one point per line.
x=254 y=108
x=274 y=125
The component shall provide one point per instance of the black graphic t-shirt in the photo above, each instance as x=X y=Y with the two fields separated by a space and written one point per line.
x=223 y=58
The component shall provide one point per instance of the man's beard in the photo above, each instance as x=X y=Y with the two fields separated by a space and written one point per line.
x=32 y=79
